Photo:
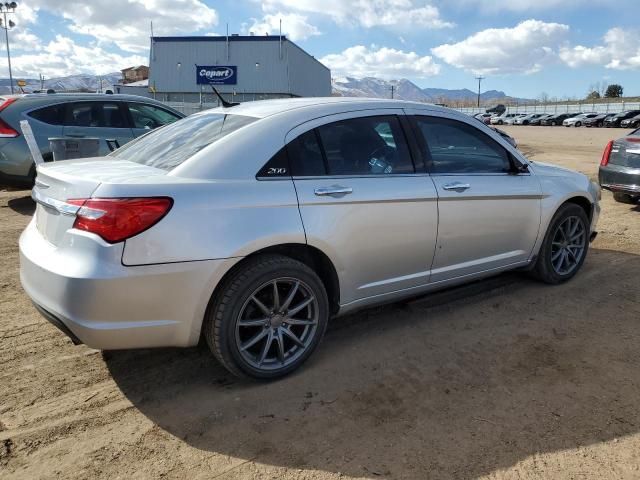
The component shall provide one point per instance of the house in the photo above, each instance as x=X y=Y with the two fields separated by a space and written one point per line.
x=135 y=74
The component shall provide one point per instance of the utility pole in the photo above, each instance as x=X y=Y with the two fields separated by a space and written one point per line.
x=479 y=78
x=8 y=8
x=393 y=87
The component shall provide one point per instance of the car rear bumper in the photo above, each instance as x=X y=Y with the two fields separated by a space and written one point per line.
x=96 y=300
x=620 y=179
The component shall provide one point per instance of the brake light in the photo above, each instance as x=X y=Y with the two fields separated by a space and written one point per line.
x=606 y=154
x=116 y=219
x=6 y=131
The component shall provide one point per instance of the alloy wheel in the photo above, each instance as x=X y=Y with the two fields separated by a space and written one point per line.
x=568 y=245
x=277 y=323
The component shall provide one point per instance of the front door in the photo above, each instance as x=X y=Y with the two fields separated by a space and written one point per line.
x=363 y=202
x=489 y=214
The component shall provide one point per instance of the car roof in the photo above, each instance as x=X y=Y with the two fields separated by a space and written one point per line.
x=266 y=108
x=30 y=100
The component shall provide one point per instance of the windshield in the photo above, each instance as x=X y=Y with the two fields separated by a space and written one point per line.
x=170 y=146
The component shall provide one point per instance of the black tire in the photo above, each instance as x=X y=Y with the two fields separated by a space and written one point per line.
x=624 y=198
x=500 y=122
x=578 y=124
x=226 y=305
x=553 y=124
x=544 y=269
x=599 y=124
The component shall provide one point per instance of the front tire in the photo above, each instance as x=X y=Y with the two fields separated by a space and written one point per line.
x=565 y=245
x=267 y=318
x=624 y=198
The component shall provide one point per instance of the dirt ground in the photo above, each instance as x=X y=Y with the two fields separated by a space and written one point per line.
x=507 y=378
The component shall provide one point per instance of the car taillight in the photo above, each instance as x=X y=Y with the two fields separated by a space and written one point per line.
x=606 y=154
x=116 y=219
x=6 y=131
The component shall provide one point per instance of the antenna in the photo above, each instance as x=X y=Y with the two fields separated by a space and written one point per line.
x=223 y=102
x=280 y=39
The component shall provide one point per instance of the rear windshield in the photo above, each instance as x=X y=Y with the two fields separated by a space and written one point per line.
x=169 y=146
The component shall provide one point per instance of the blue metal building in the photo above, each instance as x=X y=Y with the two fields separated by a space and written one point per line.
x=242 y=68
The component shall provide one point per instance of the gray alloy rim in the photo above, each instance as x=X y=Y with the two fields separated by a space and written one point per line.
x=567 y=247
x=277 y=324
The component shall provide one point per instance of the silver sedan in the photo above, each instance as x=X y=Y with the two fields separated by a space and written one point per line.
x=252 y=225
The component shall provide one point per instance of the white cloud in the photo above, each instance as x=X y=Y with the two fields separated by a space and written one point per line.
x=526 y=48
x=522 y=6
x=294 y=26
x=393 y=14
x=360 y=61
x=621 y=51
x=62 y=57
x=126 y=22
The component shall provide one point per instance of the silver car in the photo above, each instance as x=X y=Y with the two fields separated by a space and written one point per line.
x=252 y=225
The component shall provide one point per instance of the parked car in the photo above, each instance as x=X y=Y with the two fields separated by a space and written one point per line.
x=620 y=168
x=633 y=122
x=502 y=119
x=499 y=109
x=117 y=118
x=597 y=121
x=557 y=119
x=617 y=119
x=511 y=120
x=484 y=117
x=526 y=120
x=537 y=121
x=252 y=225
x=578 y=120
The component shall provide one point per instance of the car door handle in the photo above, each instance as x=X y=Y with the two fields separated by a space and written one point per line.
x=333 y=191
x=457 y=186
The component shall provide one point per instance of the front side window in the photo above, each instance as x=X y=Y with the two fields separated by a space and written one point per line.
x=150 y=117
x=456 y=147
x=365 y=146
x=94 y=114
x=170 y=146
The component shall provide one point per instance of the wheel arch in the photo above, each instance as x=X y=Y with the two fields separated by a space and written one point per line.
x=311 y=256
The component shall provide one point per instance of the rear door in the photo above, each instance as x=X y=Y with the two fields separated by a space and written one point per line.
x=145 y=117
x=46 y=122
x=363 y=202
x=106 y=121
x=489 y=217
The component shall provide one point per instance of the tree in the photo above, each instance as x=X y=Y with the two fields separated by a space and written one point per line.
x=594 y=95
x=613 y=91
x=544 y=97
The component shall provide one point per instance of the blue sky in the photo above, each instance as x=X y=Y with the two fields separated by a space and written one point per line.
x=524 y=47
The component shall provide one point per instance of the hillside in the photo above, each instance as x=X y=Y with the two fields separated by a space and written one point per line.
x=82 y=82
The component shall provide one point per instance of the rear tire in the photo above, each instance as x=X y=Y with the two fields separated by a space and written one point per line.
x=553 y=124
x=564 y=247
x=578 y=124
x=624 y=198
x=267 y=318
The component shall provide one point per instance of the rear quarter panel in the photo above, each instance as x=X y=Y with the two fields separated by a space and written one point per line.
x=213 y=219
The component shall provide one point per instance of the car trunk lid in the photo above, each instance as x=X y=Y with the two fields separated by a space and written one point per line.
x=57 y=183
x=626 y=152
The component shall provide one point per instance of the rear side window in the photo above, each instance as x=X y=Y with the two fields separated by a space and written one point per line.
x=170 y=146
x=150 y=117
x=306 y=155
x=94 y=114
x=456 y=147
x=53 y=114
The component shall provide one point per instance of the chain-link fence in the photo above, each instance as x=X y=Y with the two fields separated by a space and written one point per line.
x=584 y=107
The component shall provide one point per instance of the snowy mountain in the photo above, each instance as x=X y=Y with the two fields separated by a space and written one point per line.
x=73 y=83
x=404 y=89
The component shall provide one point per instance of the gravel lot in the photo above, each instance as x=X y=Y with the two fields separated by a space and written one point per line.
x=507 y=378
